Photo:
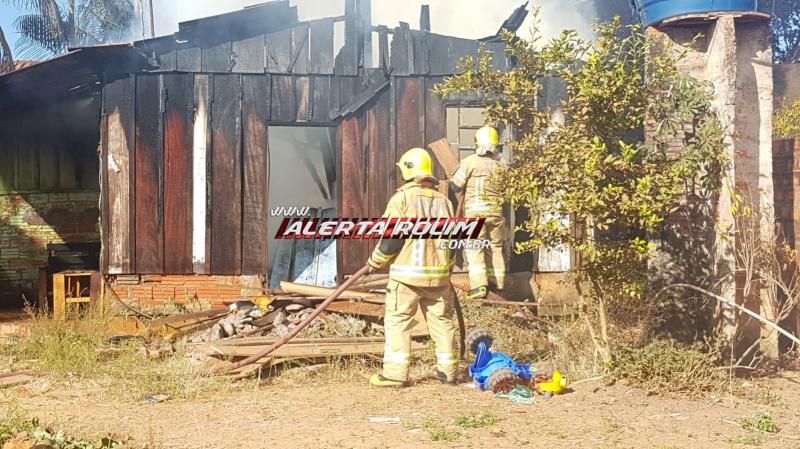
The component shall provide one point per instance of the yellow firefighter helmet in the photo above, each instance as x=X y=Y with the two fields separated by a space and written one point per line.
x=487 y=136
x=415 y=162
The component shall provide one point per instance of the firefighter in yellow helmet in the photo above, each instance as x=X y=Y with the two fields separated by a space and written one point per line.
x=419 y=276
x=487 y=266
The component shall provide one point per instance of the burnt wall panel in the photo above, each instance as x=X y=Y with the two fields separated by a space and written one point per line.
x=255 y=111
x=249 y=55
x=321 y=47
x=410 y=121
x=218 y=58
x=178 y=136
x=118 y=170
x=226 y=191
x=149 y=169
x=284 y=103
x=352 y=198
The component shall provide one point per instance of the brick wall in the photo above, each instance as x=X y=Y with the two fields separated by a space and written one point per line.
x=28 y=222
x=786 y=177
x=156 y=291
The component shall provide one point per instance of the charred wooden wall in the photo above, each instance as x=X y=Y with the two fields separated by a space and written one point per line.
x=404 y=115
x=155 y=133
x=185 y=146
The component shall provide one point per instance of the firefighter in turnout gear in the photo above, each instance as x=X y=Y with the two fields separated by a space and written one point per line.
x=487 y=266
x=419 y=276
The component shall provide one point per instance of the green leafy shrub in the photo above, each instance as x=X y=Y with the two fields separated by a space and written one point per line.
x=595 y=166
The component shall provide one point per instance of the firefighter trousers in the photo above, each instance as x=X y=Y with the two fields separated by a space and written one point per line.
x=487 y=266
x=401 y=306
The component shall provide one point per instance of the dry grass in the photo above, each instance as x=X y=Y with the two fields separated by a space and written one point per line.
x=665 y=367
x=79 y=352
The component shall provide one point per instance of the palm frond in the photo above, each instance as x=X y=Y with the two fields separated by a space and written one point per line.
x=6 y=58
x=43 y=31
x=29 y=49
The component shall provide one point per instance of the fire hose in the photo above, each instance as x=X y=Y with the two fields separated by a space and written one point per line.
x=320 y=308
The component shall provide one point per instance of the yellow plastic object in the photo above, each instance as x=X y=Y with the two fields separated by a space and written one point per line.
x=555 y=385
x=415 y=162
x=263 y=302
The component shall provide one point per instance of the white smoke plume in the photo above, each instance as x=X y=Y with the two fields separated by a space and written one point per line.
x=463 y=18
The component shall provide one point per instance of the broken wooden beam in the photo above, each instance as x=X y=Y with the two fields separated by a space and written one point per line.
x=445 y=156
x=311 y=290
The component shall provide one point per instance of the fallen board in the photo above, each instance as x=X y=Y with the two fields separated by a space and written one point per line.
x=19 y=378
x=310 y=290
x=311 y=350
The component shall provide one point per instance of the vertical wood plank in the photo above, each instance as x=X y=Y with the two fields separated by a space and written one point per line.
x=218 y=58
x=321 y=98
x=283 y=104
x=410 y=114
x=149 y=162
x=435 y=120
x=394 y=182
x=88 y=171
x=255 y=110
x=67 y=178
x=226 y=188
x=249 y=55
x=59 y=298
x=381 y=157
x=302 y=91
x=321 y=47
x=421 y=52
x=279 y=51
x=300 y=56
x=27 y=168
x=346 y=62
x=354 y=253
x=189 y=58
x=200 y=146
x=120 y=116
x=102 y=172
x=383 y=49
x=8 y=169
x=178 y=168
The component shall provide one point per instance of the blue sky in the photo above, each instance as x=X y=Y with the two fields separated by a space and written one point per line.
x=7 y=16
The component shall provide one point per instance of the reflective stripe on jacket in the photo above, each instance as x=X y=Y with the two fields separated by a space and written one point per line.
x=416 y=262
x=474 y=175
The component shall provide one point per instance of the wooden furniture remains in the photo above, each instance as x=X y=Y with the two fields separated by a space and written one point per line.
x=74 y=287
x=66 y=257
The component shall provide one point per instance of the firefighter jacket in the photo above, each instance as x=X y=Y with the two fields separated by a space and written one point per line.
x=481 y=198
x=416 y=262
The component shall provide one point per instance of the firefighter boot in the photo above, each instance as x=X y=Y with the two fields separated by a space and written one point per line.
x=377 y=380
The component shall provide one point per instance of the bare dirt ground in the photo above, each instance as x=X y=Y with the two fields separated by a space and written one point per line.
x=337 y=415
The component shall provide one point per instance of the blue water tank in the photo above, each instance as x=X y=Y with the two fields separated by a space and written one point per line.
x=653 y=12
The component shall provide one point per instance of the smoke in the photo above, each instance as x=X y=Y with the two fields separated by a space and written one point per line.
x=463 y=18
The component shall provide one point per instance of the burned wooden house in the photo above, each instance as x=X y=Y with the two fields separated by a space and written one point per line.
x=158 y=162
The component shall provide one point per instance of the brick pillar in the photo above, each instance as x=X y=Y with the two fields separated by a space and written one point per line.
x=786 y=178
x=735 y=55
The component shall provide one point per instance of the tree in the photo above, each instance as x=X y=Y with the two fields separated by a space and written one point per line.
x=787 y=120
x=50 y=28
x=6 y=58
x=785 y=29
x=616 y=187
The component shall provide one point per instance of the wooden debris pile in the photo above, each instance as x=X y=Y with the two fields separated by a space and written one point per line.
x=350 y=326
